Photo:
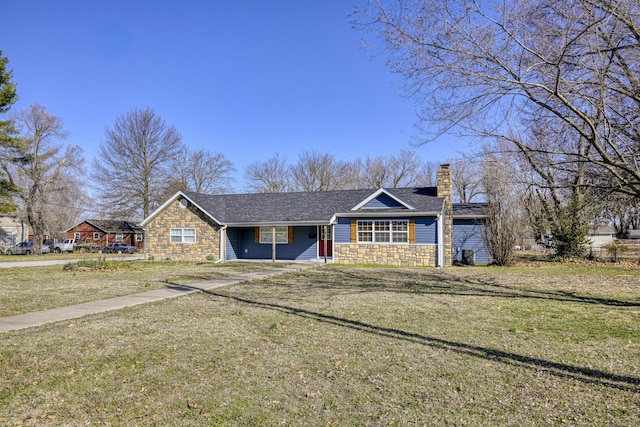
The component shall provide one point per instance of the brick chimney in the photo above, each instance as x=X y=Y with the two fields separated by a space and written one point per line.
x=445 y=189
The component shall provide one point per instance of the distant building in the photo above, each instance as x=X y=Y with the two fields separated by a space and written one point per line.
x=12 y=230
x=601 y=235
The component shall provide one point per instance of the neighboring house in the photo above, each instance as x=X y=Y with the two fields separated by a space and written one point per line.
x=634 y=235
x=104 y=232
x=600 y=236
x=399 y=226
x=12 y=230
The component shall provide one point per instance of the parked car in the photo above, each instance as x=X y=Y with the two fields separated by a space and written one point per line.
x=65 y=246
x=26 y=248
x=76 y=245
x=120 y=248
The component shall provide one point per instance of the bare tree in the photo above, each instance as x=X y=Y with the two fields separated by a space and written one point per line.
x=492 y=68
x=203 y=171
x=38 y=169
x=466 y=177
x=269 y=176
x=317 y=171
x=623 y=213
x=426 y=174
x=389 y=171
x=66 y=208
x=133 y=164
x=503 y=221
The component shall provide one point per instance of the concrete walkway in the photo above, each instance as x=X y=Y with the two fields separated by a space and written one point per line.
x=38 y=318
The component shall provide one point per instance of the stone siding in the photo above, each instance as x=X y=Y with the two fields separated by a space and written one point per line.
x=400 y=255
x=445 y=189
x=157 y=235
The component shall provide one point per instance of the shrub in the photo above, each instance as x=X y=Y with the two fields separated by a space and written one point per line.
x=615 y=249
x=92 y=264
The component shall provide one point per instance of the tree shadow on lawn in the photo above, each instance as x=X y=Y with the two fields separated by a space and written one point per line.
x=441 y=283
x=586 y=375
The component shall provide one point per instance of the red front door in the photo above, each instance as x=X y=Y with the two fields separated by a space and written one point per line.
x=325 y=241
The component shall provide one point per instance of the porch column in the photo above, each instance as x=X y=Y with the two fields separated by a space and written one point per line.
x=324 y=241
x=273 y=243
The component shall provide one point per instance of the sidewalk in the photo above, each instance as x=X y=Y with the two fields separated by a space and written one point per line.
x=38 y=318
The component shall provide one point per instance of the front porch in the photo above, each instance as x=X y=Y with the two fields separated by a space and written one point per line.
x=292 y=243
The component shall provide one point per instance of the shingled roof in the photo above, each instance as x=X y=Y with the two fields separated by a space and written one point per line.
x=307 y=207
x=115 y=226
x=469 y=210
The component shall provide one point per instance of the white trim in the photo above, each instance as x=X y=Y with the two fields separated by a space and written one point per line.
x=440 y=225
x=223 y=244
x=375 y=195
x=389 y=233
x=171 y=200
x=182 y=235
x=389 y=214
x=278 y=223
x=273 y=232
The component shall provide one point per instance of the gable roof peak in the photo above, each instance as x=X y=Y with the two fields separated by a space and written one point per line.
x=377 y=194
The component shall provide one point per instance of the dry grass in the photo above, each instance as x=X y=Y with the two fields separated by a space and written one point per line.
x=27 y=289
x=545 y=345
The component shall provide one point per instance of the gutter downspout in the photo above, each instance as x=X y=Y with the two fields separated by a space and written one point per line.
x=223 y=244
x=440 y=222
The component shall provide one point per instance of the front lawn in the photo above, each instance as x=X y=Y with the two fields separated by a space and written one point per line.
x=27 y=289
x=346 y=346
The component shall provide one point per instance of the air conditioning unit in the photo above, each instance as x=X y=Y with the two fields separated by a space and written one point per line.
x=468 y=257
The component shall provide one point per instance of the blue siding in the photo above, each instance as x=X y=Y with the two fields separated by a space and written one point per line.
x=426 y=229
x=383 y=201
x=233 y=243
x=342 y=231
x=467 y=234
x=243 y=245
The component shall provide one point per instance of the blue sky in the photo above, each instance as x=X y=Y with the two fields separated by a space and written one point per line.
x=245 y=78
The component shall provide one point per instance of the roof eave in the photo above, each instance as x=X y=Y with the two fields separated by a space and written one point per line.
x=387 y=214
x=469 y=216
x=278 y=223
x=173 y=199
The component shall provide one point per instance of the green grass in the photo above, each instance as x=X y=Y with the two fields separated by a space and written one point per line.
x=345 y=346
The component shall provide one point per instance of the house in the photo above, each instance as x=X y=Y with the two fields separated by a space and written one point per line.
x=13 y=230
x=106 y=231
x=399 y=226
x=601 y=235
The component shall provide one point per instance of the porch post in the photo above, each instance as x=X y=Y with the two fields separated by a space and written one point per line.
x=273 y=243
x=324 y=241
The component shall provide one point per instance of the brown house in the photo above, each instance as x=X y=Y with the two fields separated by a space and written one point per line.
x=104 y=232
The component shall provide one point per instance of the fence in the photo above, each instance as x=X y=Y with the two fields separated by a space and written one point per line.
x=618 y=250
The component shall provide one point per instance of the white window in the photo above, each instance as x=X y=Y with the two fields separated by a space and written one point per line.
x=76 y=235
x=138 y=237
x=183 y=235
x=96 y=236
x=282 y=234
x=119 y=237
x=383 y=231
